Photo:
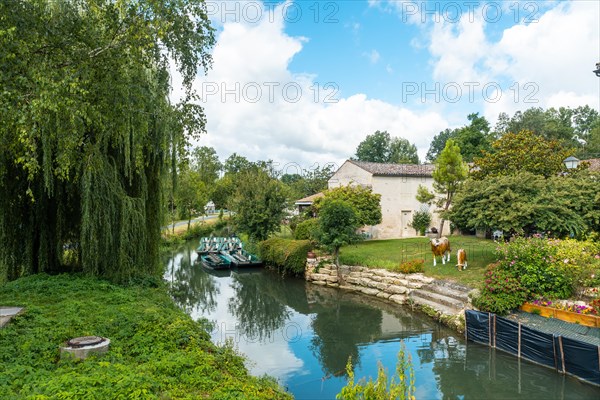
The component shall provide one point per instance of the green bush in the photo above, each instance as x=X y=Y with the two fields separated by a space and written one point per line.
x=411 y=267
x=307 y=230
x=286 y=254
x=421 y=221
x=502 y=291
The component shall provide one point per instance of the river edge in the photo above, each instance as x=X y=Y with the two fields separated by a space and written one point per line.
x=446 y=306
x=156 y=348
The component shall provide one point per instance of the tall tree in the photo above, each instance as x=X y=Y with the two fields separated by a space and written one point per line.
x=403 y=152
x=206 y=162
x=380 y=147
x=471 y=138
x=449 y=173
x=259 y=203
x=191 y=195
x=438 y=143
x=87 y=128
x=523 y=151
x=236 y=163
x=337 y=225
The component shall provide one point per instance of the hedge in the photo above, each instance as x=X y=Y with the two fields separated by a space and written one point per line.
x=286 y=254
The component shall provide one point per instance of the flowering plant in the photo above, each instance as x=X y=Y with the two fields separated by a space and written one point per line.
x=592 y=308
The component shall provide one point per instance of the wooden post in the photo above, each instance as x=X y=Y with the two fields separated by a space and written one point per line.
x=519 y=351
x=562 y=354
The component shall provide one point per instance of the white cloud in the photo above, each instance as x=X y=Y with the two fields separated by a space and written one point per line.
x=257 y=107
x=543 y=64
x=373 y=56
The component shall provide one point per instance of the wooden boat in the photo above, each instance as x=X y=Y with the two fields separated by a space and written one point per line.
x=215 y=261
x=242 y=258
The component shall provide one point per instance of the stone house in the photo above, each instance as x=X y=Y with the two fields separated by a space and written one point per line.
x=397 y=184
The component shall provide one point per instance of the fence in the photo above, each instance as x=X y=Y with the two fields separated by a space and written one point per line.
x=565 y=355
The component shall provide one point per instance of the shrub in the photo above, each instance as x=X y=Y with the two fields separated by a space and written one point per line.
x=502 y=291
x=286 y=254
x=411 y=267
x=307 y=230
x=401 y=385
x=421 y=221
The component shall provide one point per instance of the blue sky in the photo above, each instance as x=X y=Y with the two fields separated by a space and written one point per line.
x=303 y=82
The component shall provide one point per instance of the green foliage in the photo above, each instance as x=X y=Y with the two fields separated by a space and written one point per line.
x=536 y=267
x=411 y=267
x=365 y=203
x=310 y=182
x=449 y=173
x=421 y=221
x=337 y=225
x=259 y=202
x=502 y=291
x=87 y=127
x=156 y=350
x=307 y=230
x=206 y=163
x=471 y=139
x=380 y=147
x=520 y=152
x=191 y=195
x=564 y=205
x=401 y=386
x=286 y=254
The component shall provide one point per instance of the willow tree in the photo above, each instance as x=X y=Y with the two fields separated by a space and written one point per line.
x=87 y=128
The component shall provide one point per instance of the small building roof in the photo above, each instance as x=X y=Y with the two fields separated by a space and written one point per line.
x=309 y=200
x=380 y=169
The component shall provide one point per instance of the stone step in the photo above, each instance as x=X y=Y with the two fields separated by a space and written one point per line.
x=438 y=299
x=445 y=310
x=449 y=289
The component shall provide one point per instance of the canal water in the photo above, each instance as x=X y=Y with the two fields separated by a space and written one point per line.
x=302 y=334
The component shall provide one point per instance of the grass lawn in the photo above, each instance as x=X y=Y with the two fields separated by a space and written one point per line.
x=389 y=253
x=156 y=351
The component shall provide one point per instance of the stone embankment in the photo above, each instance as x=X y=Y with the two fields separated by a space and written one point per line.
x=445 y=301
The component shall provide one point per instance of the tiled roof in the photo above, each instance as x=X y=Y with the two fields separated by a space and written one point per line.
x=379 y=169
x=310 y=199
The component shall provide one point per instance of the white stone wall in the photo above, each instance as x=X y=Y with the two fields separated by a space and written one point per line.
x=392 y=286
x=350 y=174
x=398 y=202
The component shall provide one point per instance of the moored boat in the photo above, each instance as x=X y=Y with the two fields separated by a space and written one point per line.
x=215 y=261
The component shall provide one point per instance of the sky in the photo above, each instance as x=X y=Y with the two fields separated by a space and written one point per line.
x=302 y=83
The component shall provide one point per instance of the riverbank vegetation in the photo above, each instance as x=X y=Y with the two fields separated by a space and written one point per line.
x=156 y=350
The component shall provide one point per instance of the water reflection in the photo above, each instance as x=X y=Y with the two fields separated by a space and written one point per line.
x=256 y=305
x=303 y=334
x=191 y=287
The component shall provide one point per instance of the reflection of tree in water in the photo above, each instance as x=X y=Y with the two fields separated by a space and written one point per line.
x=339 y=327
x=193 y=288
x=255 y=305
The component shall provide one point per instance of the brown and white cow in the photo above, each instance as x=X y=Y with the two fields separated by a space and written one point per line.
x=461 y=259
x=440 y=247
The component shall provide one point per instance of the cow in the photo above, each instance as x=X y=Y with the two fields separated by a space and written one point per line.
x=440 y=247
x=461 y=259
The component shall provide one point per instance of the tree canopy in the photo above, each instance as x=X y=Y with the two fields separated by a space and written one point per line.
x=380 y=147
x=471 y=139
x=528 y=203
x=87 y=128
x=523 y=151
x=337 y=225
x=366 y=204
x=449 y=173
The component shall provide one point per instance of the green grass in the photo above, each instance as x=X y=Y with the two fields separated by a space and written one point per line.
x=389 y=253
x=156 y=351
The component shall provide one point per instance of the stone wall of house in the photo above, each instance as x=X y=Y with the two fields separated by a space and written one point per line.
x=392 y=286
